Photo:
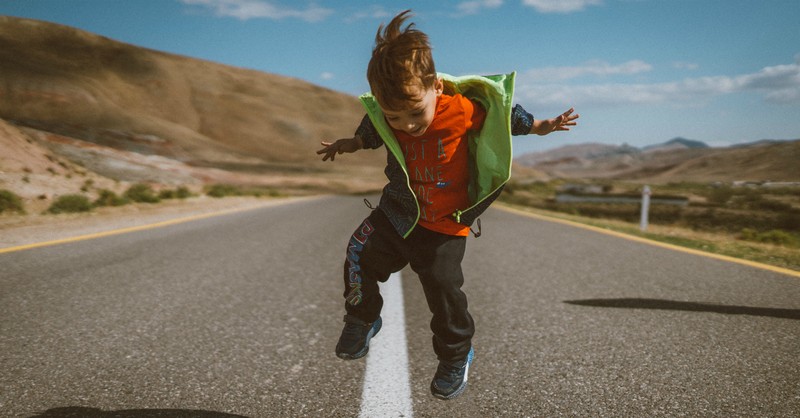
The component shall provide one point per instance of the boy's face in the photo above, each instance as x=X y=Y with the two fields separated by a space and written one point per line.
x=417 y=114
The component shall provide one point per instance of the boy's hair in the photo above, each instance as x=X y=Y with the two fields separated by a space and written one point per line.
x=401 y=58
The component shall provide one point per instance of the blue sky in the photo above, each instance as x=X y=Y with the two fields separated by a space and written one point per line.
x=638 y=71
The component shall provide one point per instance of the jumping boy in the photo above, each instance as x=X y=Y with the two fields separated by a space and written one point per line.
x=449 y=156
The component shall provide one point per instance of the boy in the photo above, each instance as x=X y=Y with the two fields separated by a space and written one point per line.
x=449 y=156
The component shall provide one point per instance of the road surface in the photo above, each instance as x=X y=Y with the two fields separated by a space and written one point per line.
x=238 y=316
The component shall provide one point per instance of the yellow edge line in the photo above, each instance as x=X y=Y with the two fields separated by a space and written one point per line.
x=124 y=230
x=654 y=243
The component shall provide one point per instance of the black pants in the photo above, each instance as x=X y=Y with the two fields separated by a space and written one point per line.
x=376 y=250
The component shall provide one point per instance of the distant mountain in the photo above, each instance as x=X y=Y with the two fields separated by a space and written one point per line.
x=678 y=159
x=575 y=153
x=676 y=143
x=135 y=114
x=760 y=143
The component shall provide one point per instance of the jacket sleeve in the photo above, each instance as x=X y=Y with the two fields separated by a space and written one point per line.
x=369 y=136
x=521 y=121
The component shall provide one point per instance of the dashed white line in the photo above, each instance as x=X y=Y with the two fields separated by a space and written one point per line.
x=387 y=391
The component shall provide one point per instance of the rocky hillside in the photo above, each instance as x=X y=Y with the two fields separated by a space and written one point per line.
x=132 y=114
x=676 y=160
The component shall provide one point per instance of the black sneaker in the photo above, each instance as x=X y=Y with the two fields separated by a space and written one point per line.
x=354 y=341
x=450 y=379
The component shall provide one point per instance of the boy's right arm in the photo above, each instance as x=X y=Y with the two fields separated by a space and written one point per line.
x=365 y=137
x=340 y=146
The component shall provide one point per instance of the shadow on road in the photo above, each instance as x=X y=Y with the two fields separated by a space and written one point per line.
x=82 y=412
x=672 y=305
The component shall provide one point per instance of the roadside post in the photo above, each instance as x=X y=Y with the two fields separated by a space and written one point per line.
x=645 y=208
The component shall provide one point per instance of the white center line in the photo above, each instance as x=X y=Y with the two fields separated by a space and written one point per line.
x=387 y=392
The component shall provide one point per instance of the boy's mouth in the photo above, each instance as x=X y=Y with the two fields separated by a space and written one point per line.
x=417 y=132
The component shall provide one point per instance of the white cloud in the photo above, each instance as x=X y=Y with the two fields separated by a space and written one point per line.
x=474 y=6
x=560 y=6
x=327 y=76
x=596 y=68
x=253 y=9
x=777 y=84
x=681 y=65
x=373 y=12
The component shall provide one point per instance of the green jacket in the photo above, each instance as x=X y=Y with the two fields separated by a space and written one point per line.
x=490 y=151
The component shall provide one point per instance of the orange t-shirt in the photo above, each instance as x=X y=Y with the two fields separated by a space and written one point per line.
x=438 y=163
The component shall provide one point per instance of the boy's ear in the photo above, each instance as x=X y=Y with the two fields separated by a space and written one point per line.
x=439 y=86
x=447 y=88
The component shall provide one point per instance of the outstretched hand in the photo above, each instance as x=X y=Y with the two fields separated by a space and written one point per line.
x=339 y=147
x=561 y=122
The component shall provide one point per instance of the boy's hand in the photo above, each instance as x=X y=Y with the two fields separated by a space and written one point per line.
x=560 y=123
x=339 y=147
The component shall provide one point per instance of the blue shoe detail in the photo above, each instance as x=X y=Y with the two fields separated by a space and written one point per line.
x=450 y=379
x=354 y=341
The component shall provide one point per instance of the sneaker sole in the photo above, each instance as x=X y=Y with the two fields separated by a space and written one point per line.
x=376 y=327
x=463 y=386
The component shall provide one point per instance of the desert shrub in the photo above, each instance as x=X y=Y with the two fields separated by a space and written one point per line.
x=789 y=221
x=769 y=205
x=87 y=185
x=720 y=195
x=143 y=193
x=9 y=201
x=166 y=194
x=261 y=192
x=629 y=213
x=222 y=190
x=179 y=193
x=70 y=203
x=183 y=192
x=775 y=236
x=109 y=198
x=735 y=220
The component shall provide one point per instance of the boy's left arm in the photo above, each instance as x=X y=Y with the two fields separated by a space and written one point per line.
x=523 y=123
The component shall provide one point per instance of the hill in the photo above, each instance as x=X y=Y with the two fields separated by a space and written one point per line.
x=676 y=143
x=128 y=113
x=675 y=160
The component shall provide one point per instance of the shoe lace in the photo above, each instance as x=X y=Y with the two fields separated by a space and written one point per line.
x=449 y=371
x=353 y=328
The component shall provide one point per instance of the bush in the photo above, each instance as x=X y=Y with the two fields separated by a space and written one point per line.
x=143 y=193
x=775 y=236
x=719 y=196
x=166 y=194
x=70 y=203
x=9 y=201
x=222 y=190
x=109 y=198
x=179 y=193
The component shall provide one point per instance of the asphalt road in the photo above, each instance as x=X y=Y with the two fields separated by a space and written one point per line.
x=238 y=315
